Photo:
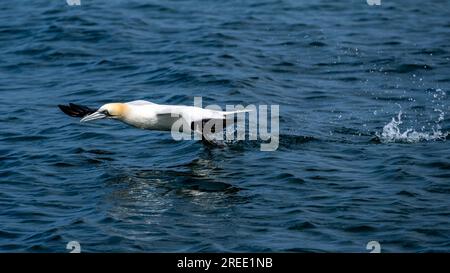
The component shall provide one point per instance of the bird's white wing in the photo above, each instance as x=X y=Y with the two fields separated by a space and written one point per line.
x=140 y=102
x=168 y=114
x=197 y=118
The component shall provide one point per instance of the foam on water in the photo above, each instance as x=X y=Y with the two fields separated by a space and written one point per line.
x=392 y=132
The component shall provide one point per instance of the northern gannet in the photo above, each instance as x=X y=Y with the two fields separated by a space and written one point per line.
x=151 y=116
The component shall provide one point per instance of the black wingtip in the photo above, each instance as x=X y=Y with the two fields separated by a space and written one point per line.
x=75 y=110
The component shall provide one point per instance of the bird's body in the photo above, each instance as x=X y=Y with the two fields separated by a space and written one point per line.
x=150 y=116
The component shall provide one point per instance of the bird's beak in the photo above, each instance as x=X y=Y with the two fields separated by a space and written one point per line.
x=93 y=116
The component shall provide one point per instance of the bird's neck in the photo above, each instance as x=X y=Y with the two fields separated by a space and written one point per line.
x=138 y=116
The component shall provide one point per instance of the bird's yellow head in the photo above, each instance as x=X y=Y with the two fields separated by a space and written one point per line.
x=109 y=110
x=114 y=110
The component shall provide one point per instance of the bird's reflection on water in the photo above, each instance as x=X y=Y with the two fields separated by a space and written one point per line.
x=156 y=193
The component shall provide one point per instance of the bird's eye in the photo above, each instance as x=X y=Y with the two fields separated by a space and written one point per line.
x=106 y=113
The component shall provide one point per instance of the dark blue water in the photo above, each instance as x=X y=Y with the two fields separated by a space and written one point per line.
x=363 y=155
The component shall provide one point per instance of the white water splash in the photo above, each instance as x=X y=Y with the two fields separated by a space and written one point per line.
x=392 y=131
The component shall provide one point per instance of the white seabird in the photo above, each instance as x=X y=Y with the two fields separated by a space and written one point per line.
x=151 y=116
